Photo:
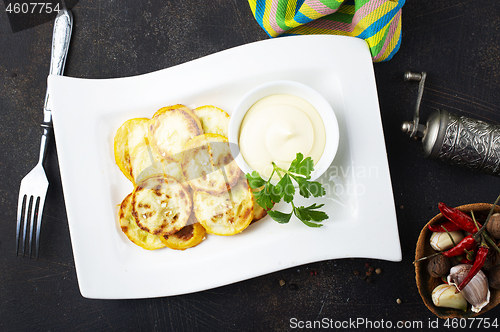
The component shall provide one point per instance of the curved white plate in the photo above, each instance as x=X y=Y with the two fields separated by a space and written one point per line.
x=87 y=113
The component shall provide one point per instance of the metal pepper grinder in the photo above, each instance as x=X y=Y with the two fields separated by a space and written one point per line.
x=458 y=140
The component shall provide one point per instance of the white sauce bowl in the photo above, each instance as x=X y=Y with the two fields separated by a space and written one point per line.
x=291 y=88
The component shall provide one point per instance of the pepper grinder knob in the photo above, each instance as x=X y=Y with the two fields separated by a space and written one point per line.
x=413 y=128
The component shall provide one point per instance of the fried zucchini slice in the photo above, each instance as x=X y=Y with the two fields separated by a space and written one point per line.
x=164 y=167
x=213 y=119
x=196 y=163
x=161 y=205
x=189 y=236
x=222 y=159
x=142 y=160
x=170 y=128
x=128 y=225
x=208 y=166
x=226 y=214
x=130 y=134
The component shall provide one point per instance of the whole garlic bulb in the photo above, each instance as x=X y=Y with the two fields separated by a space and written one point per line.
x=477 y=291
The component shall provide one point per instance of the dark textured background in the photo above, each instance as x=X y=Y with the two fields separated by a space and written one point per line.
x=455 y=42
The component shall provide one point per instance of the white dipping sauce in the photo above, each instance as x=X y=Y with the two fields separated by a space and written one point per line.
x=275 y=128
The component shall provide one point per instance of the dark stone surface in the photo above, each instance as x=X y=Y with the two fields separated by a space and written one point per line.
x=455 y=42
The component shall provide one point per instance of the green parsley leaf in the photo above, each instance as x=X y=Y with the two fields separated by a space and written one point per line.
x=285 y=188
x=308 y=188
x=295 y=163
x=268 y=194
x=275 y=197
x=280 y=217
x=302 y=166
x=254 y=180
x=310 y=213
x=265 y=196
x=310 y=224
x=263 y=199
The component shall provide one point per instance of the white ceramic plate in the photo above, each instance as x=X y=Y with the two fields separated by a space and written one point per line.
x=359 y=198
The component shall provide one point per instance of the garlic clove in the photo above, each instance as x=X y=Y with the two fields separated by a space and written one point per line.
x=445 y=296
x=441 y=240
x=477 y=291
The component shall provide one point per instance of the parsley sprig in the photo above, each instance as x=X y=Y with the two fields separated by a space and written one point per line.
x=268 y=194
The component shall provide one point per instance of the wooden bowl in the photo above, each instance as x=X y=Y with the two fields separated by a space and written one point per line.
x=426 y=283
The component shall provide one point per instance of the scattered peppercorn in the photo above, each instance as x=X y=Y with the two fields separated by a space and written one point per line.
x=13 y=75
x=293 y=286
x=356 y=273
x=369 y=280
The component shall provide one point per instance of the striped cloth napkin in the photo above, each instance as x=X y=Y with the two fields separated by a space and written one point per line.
x=378 y=22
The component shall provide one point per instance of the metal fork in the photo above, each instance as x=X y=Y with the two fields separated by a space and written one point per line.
x=35 y=184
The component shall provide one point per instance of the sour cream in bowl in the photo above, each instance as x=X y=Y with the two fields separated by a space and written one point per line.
x=275 y=121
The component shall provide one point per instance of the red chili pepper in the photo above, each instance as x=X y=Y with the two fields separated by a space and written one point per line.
x=468 y=257
x=449 y=225
x=466 y=261
x=467 y=243
x=481 y=254
x=459 y=218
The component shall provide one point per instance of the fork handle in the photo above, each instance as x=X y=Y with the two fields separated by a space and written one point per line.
x=63 y=25
x=47 y=129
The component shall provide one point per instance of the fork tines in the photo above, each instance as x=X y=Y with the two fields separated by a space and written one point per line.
x=29 y=217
